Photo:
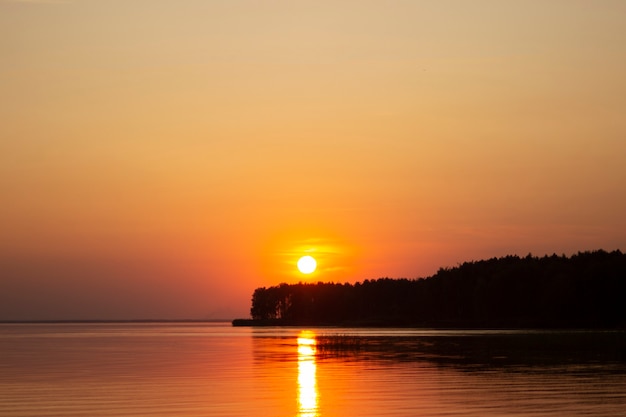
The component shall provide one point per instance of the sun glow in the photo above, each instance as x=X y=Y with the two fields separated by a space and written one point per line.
x=307 y=264
x=307 y=379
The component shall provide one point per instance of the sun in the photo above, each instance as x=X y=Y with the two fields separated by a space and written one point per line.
x=307 y=264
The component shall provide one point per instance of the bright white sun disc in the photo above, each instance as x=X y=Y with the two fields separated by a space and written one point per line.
x=307 y=264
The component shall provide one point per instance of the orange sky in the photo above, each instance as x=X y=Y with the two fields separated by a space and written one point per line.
x=162 y=159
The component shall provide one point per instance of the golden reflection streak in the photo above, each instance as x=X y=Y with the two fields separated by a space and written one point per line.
x=307 y=379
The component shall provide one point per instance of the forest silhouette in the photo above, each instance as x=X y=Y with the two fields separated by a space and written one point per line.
x=586 y=290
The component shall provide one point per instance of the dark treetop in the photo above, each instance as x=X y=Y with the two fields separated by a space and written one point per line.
x=586 y=290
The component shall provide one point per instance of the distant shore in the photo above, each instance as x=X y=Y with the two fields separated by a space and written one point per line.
x=104 y=321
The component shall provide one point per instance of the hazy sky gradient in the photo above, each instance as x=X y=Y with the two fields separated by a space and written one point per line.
x=162 y=159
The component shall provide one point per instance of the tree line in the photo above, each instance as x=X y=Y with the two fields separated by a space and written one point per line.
x=585 y=290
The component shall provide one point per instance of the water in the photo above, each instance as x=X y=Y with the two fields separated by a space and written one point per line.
x=191 y=369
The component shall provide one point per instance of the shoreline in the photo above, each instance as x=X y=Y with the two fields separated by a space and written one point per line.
x=394 y=324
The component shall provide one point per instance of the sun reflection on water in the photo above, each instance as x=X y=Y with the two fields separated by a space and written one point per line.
x=307 y=379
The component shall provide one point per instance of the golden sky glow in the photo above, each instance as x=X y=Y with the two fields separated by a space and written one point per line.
x=161 y=159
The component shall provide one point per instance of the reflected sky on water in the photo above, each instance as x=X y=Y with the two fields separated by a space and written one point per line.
x=193 y=370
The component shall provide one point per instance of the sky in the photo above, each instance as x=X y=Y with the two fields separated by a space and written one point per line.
x=161 y=159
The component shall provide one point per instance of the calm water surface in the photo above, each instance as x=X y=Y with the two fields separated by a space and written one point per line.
x=217 y=370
